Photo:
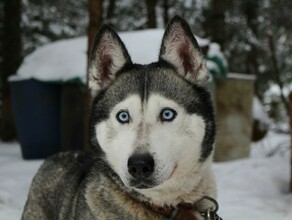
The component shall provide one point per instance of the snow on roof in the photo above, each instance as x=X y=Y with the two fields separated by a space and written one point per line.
x=241 y=76
x=66 y=59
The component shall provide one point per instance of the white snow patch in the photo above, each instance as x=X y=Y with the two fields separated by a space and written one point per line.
x=59 y=61
x=241 y=76
x=259 y=112
x=215 y=51
x=211 y=65
x=15 y=175
x=275 y=90
x=202 y=41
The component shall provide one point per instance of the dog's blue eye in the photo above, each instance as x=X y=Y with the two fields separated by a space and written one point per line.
x=167 y=114
x=123 y=117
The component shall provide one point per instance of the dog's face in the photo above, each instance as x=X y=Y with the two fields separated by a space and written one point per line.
x=154 y=123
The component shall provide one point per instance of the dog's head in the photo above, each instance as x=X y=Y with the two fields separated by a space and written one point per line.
x=153 y=123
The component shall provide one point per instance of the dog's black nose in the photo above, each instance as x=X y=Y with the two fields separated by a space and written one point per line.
x=141 y=166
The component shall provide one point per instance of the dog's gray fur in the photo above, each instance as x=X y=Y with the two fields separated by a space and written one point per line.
x=77 y=185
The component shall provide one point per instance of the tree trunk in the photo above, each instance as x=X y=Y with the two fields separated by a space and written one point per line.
x=151 y=13
x=111 y=9
x=218 y=8
x=165 y=12
x=11 y=61
x=290 y=116
x=250 y=9
x=95 y=8
x=72 y=131
x=276 y=70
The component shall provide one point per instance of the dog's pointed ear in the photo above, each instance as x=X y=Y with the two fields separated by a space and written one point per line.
x=180 y=48
x=108 y=56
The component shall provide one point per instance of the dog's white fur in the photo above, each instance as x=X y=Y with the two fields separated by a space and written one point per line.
x=175 y=146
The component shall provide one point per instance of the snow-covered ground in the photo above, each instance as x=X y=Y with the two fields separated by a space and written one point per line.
x=249 y=189
x=15 y=177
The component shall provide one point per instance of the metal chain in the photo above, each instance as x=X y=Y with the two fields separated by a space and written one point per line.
x=211 y=214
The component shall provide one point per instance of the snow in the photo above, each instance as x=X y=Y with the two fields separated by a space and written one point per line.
x=15 y=175
x=212 y=66
x=274 y=90
x=59 y=61
x=241 y=76
x=66 y=60
x=259 y=112
x=252 y=188
x=215 y=50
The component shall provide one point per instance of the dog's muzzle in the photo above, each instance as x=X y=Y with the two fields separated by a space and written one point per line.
x=141 y=168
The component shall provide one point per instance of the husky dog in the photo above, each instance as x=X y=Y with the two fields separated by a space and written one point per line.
x=152 y=130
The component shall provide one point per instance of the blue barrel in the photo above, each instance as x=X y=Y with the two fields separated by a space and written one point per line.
x=36 y=109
